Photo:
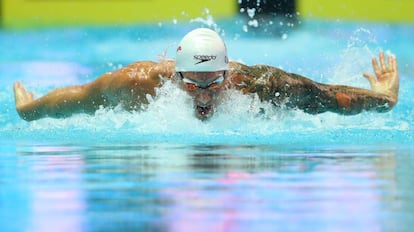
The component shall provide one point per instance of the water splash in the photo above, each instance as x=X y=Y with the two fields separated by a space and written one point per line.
x=355 y=59
x=207 y=19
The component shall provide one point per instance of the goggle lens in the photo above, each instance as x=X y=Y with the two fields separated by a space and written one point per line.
x=192 y=85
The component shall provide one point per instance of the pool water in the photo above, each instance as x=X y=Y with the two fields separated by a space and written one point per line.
x=251 y=168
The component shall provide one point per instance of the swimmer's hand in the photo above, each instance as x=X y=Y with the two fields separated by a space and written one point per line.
x=386 y=80
x=21 y=96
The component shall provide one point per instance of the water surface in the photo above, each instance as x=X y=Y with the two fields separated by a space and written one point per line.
x=251 y=168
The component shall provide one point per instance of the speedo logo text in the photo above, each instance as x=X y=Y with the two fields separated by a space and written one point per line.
x=204 y=58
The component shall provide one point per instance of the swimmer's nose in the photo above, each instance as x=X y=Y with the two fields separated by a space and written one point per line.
x=204 y=97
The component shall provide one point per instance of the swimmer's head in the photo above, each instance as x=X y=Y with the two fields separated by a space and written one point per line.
x=201 y=50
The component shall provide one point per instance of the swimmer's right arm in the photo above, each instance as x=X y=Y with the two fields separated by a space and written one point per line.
x=61 y=102
x=128 y=86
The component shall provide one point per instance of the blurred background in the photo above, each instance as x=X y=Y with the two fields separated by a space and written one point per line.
x=40 y=13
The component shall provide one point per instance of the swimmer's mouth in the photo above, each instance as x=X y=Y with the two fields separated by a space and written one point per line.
x=204 y=112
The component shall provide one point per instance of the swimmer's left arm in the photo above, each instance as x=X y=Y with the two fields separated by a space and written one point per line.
x=295 y=91
x=382 y=97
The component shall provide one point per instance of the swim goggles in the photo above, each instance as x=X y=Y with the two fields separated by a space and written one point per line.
x=193 y=85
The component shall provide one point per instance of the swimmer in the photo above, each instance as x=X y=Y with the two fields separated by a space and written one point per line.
x=203 y=71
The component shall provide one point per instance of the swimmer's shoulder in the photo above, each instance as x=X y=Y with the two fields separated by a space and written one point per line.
x=239 y=76
x=250 y=77
x=166 y=65
x=147 y=70
x=164 y=68
x=240 y=70
x=256 y=71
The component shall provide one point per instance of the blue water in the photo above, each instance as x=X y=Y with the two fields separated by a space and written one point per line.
x=244 y=170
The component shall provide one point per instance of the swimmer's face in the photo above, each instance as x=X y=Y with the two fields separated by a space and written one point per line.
x=205 y=89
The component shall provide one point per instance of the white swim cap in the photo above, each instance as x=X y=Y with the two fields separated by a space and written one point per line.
x=201 y=50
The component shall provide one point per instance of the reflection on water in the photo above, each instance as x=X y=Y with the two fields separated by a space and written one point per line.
x=205 y=188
